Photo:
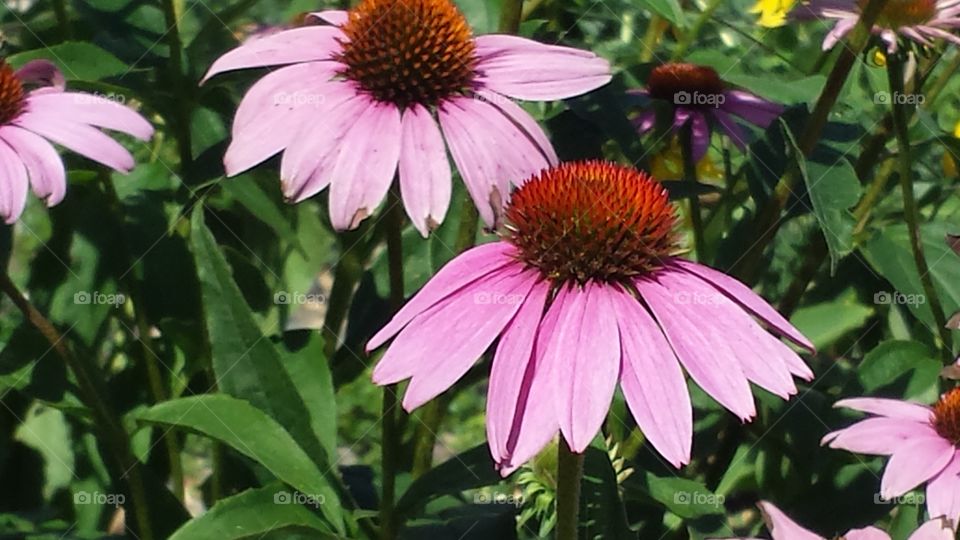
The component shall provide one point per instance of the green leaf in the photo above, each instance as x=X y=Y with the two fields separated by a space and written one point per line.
x=468 y=470
x=890 y=254
x=668 y=9
x=827 y=322
x=251 y=432
x=601 y=510
x=891 y=361
x=247 y=365
x=207 y=129
x=245 y=189
x=251 y=514
x=833 y=188
x=77 y=60
x=685 y=498
x=46 y=430
x=310 y=372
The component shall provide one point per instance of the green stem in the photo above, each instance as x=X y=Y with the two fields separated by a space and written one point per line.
x=390 y=444
x=655 y=29
x=63 y=18
x=768 y=218
x=694 y=31
x=690 y=177
x=910 y=210
x=510 y=16
x=569 y=474
x=126 y=467
x=180 y=87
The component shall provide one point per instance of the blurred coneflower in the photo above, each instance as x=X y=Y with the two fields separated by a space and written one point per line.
x=585 y=290
x=393 y=84
x=35 y=111
x=701 y=100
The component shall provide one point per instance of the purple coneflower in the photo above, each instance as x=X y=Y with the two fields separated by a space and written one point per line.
x=585 y=291
x=364 y=97
x=919 y=20
x=701 y=98
x=922 y=443
x=35 y=111
x=782 y=527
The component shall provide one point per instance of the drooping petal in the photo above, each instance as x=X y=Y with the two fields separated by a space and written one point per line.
x=838 y=32
x=308 y=162
x=751 y=108
x=652 y=381
x=42 y=73
x=698 y=347
x=586 y=348
x=918 y=460
x=362 y=174
x=782 y=527
x=891 y=408
x=510 y=365
x=935 y=529
x=750 y=300
x=93 y=110
x=472 y=265
x=866 y=533
x=469 y=322
x=493 y=45
x=47 y=175
x=762 y=357
x=303 y=44
x=876 y=436
x=425 y=179
x=13 y=184
x=700 y=134
x=81 y=138
x=535 y=422
x=532 y=71
x=734 y=132
x=645 y=121
x=271 y=116
x=943 y=492
x=523 y=120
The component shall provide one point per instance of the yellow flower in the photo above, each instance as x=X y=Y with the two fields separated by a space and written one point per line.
x=949 y=162
x=773 y=13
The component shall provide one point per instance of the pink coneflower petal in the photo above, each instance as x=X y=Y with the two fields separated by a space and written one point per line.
x=308 y=162
x=782 y=527
x=92 y=110
x=866 y=533
x=13 y=187
x=523 y=119
x=915 y=462
x=696 y=346
x=287 y=92
x=700 y=132
x=467 y=268
x=586 y=333
x=508 y=374
x=362 y=175
x=531 y=71
x=81 y=138
x=424 y=170
x=304 y=44
x=943 y=492
x=645 y=121
x=876 y=436
x=493 y=45
x=751 y=301
x=761 y=356
x=42 y=73
x=44 y=166
x=751 y=108
x=935 y=529
x=535 y=422
x=891 y=408
x=652 y=381
x=734 y=132
x=838 y=32
x=336 y=17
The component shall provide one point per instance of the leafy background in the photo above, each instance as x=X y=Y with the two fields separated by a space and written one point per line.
x=242 y=398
